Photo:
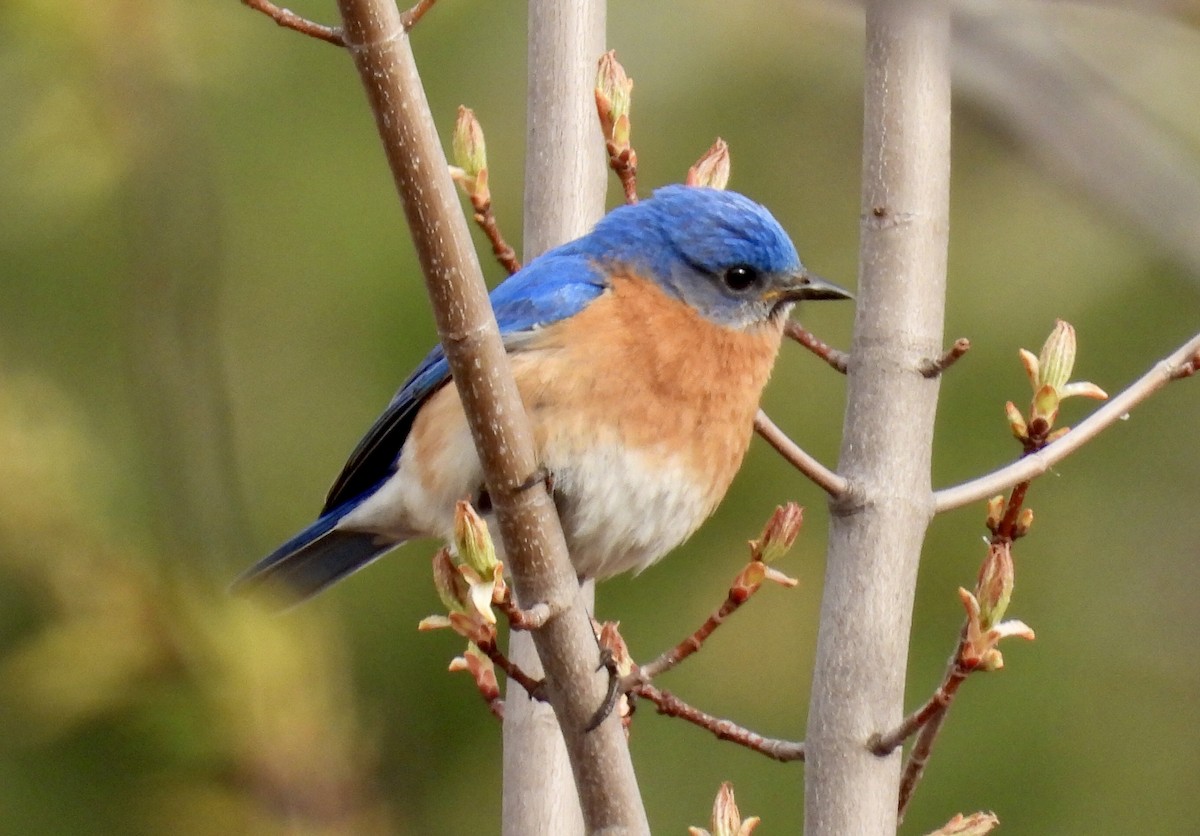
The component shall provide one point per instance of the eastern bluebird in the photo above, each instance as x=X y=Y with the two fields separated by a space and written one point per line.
x=640 y=351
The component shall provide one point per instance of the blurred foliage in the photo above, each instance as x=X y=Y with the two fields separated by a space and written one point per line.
x=208 y=293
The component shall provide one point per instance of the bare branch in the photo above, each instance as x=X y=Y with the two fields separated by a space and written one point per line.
x=932 y=368
x=823 y=477
x=886 y=743
x=837 y=360
x=290 y=20
x=1173 y=367
x=670 y=705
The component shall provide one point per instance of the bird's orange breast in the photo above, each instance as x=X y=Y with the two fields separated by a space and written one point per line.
x=643 y=369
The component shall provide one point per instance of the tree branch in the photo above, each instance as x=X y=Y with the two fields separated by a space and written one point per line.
x=1172 y=367
x=375 y=35
x=877 y=529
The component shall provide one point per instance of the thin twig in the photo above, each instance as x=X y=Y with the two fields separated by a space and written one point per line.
x=500 y=248
x=413 y=16
x=533 y=687
x=1173 y=367
x=778 y=535
x=837 y=360
x=670 y=705
x=290 y=20
x=884 y=744
x=918 y=757
x=695 y=641
x=932 y=368
x=624 y=165
x=823 y=477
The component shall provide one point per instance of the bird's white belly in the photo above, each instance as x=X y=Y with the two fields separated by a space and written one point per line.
x=623 y=510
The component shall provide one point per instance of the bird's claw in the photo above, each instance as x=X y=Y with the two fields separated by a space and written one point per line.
x=608 y=663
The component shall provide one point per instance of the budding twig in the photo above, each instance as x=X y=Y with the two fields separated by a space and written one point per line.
x=614 y=90
x=777 y=537
x=1179 y=364
x=886 y=743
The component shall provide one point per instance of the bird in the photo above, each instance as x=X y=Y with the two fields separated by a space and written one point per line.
x=640 y=351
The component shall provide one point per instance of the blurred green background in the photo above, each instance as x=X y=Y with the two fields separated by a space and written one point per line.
x=207 y=293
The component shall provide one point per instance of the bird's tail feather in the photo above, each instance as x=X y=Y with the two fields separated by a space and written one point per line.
x=315 y=558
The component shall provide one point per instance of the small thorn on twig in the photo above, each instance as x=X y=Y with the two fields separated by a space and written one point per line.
x=1188 y=368
x=837 y=360
x=932 y=368
x=290 y=20
x=413 y=16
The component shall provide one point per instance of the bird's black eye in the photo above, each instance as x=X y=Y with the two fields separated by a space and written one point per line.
x=739 y=277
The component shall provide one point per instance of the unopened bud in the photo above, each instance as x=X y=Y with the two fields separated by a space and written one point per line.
x=711 y=170
x=1045 y=405
x=1058 y=356
x=994 y=588
x=472 y=540
x=726 y=818
x=470 y=156
x=779 y=533
x=1024 y=521
x=614 y=95
x=995 y=512
x=451 y=587
x=1016 y=421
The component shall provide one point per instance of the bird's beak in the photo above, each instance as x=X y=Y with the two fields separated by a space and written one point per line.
x=805 y=285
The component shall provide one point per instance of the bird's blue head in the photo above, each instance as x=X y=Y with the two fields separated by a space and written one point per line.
x=718 y=251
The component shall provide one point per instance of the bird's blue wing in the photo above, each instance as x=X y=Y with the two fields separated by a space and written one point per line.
x=550 y=288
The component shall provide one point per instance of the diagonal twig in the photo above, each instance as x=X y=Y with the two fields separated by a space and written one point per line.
x=823 y=477
x=670 y=705
x=290 y=20
x=837 y=360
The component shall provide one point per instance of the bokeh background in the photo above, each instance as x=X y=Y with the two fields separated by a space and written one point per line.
x=207 y=293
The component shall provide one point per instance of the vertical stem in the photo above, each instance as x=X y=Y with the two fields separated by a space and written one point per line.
x=565 y=167
x=565 y=180
x=878 y=527
x=533 y=540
